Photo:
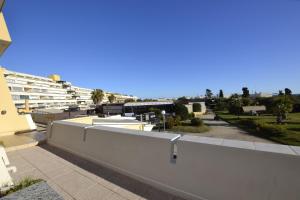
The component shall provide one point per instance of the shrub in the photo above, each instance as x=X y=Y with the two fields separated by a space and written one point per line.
x=196 y=107
x=170 y=122
x=196 y=122
x=181 y=111
x=262 y=127
x=26 y=182
x=191 y=116
x=177 y=121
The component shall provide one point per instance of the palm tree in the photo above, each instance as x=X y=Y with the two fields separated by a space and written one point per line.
x=111 y=98
x=97 y=96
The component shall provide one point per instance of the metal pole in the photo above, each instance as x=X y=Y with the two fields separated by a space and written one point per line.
x=164 y=119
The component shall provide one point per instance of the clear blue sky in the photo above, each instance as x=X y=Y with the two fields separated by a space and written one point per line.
x=158 y=48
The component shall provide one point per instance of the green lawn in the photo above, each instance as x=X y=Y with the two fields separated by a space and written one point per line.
x=265 y=126
x=188 y=128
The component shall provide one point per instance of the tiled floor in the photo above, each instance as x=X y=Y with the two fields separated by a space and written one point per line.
x=76 y=178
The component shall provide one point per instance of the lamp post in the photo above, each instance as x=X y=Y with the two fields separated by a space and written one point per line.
x=163 y=112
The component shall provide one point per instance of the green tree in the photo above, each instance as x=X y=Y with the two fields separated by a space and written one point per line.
x=111 y=98
x=157 y=112
x=181 y=111
x=182 y=100
x=246 y=101
x=280 y=93
x=235 y=104
x=129 y=100
x=287 y=91
x=221 y=104
x=208 y=94
x=246 y=93
x=196 y=107
x=221 y=95
x=97 y=96
x=282 y=105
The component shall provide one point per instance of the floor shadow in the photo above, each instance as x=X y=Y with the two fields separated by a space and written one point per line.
x=130 y=184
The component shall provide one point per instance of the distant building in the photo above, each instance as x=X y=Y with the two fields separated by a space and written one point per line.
x=42 y=92
x=51 y=92
x=113 y=108
x=119 y=98
x=144 y=107
x=189 y=107
x=253 y=109
x=261 y=94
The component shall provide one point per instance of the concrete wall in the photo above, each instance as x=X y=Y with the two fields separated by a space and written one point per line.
x=190 y=108
x=10 y=120
x=205 y=168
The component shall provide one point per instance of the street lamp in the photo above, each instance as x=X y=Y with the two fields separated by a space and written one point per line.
x=163 y=112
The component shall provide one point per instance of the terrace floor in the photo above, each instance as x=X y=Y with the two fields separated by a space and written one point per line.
x=75 y=178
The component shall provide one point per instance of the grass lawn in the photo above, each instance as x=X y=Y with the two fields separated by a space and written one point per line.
x=265 y=126
x=188 y=128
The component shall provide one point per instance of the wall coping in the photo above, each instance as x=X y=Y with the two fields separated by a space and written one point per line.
x=256 y=146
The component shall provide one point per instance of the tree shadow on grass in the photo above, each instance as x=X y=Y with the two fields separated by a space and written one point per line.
x=294 y=129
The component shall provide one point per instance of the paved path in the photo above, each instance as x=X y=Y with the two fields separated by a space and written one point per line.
x=221 y=129
x=75 y=178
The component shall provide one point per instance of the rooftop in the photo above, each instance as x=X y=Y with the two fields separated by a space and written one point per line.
x=151 y=103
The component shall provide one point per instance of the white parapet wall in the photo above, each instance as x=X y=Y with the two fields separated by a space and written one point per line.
x=204 y=168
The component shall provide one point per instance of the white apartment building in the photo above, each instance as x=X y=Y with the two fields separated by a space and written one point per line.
x=51 y=93
x=45 y=93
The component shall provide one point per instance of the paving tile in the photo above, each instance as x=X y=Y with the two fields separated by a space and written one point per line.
x=33 y=174
x=73 y=182
x=56 y=172
x=275 y=148
x=59 y=190
x=116 y=197
x=94 y=192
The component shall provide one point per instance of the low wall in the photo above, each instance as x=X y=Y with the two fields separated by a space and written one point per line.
x=45 y=118
x=205 y=168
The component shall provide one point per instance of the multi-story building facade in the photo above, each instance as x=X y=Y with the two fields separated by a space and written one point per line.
x=42 y=92
x=51 y=92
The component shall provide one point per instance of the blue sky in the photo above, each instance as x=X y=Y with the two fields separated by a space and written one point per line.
x=158 y=48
